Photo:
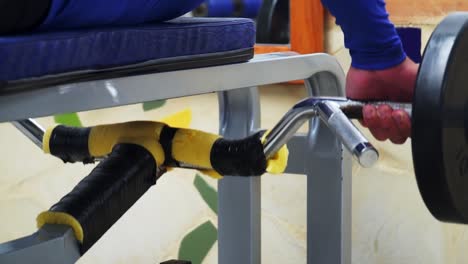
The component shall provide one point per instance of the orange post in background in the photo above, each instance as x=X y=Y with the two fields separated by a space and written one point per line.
x=307 y=26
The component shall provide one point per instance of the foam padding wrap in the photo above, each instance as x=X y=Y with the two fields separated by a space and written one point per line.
x=144 y=133
x=101 y=198
x=193 y=147
x=59 y=218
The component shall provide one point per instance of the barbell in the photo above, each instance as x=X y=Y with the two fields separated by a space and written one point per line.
x=439 y=121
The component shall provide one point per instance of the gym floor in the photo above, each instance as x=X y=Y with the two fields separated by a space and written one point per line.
x=390 y=221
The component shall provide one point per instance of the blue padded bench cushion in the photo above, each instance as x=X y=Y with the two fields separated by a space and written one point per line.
x=53 y=53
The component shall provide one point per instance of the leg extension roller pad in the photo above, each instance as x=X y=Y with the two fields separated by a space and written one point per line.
x=170 y=147
x=100 y=199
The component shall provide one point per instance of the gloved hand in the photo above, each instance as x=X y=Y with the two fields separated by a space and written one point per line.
x=393 y=84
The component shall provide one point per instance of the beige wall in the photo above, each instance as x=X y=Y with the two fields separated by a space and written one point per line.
x=423 y=11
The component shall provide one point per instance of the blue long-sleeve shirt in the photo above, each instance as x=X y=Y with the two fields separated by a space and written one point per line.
x=84 y=13
x=369 y=35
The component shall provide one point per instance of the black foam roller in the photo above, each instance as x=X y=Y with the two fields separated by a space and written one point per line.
x=116 y=183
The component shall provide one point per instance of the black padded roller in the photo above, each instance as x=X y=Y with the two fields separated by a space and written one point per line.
x=166 y=138
x=101 y=198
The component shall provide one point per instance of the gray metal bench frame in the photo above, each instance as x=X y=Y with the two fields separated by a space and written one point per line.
x=318 y=154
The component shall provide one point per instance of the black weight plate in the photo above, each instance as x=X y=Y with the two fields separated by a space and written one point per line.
x=439 y=138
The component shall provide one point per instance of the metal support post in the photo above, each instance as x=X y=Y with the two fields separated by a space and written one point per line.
x=328 y=184
x=239 y=197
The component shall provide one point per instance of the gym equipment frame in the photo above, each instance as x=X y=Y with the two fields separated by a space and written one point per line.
x=329 y=176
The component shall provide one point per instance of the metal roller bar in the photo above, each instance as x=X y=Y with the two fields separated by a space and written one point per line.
x=31 y=129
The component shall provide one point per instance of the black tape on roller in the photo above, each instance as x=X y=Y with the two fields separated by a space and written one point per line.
x=70 y=144
x=242 y=157
x=166 y=137
x=101 y=198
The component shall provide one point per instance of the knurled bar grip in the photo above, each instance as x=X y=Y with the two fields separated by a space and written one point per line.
x=353 y=109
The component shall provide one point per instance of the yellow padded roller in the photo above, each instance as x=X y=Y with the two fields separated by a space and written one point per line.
x=170 y=147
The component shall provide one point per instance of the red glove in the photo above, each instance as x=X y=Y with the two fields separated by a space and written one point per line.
x=393 y=84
